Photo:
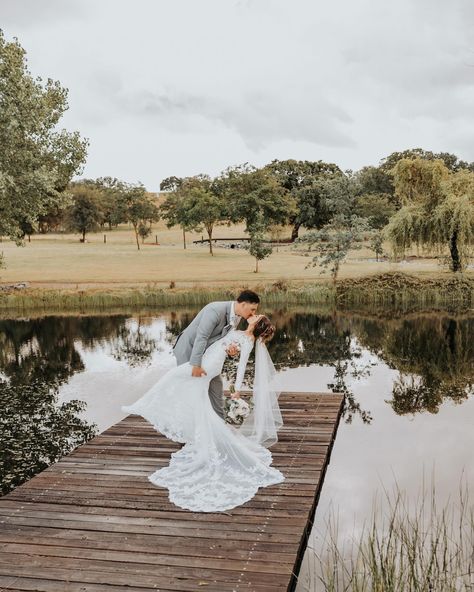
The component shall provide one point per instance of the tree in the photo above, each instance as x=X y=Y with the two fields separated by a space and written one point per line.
x=258 y=246
x=252 y=194
x=144 y=230
x=85 y=214
x=110 y=191
x=205 y=204
x=176 y=212
x=437 y=212
x=332 y=243
x=375 y=181
x=138 y=207
x=450 y=161
x=37 y=161
x=299 y=178
x=171 y=183
x=376 y=244
x=53 y=219
x=376 y=208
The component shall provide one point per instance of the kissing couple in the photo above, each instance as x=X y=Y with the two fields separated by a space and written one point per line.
x=220 y=466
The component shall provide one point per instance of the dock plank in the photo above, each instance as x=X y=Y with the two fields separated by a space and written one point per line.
x=92 y=522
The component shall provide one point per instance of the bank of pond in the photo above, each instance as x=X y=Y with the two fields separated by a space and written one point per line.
x=396 y=290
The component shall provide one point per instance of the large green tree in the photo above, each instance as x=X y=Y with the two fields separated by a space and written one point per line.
x=174 y=210
x=85 y=214
x=300 y=178
x=139 y=208
x=450 y=161
x=252 y=194
x=205 y=204
x=110 y=191
x=437 y=212
x=37 y=160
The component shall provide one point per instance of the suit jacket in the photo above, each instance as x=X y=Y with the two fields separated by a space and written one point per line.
x=209 y=325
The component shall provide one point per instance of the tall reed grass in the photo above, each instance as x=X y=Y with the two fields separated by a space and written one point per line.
x=390 y=290
x=151 y=297
x=408 y=547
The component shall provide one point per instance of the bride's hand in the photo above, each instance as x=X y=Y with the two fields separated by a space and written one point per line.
x=235 y=395
x=232 y=349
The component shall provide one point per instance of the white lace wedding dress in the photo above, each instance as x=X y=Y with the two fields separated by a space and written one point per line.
x=218 y=468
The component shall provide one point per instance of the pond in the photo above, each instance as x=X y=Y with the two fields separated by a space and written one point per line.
x=408 y=382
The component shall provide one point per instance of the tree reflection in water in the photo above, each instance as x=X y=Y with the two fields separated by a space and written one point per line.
x=133 y=344
x=433 y=354
x=35 y=431
x=37 y=356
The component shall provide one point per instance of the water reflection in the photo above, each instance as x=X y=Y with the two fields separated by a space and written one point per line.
x=431 y=356
x=35 y=431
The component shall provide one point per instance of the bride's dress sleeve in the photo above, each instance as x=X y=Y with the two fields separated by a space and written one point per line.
x=245 y=349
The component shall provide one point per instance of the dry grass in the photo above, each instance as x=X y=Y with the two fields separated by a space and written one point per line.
x=405 y=546
x=61 y=261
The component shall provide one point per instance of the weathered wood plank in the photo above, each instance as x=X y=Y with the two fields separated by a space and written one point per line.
x=93 y=522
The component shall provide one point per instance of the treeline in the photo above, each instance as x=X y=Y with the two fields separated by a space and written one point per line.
x=106 y=202
x=415 y=197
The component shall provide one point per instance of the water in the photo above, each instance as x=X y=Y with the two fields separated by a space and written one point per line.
x=408 y=382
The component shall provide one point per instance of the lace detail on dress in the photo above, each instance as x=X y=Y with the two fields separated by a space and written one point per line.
x=218 y=468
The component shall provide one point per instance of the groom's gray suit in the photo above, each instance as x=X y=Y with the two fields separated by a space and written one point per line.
x=210 y=324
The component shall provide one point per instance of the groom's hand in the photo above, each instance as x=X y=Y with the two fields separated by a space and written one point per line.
x=198 y=371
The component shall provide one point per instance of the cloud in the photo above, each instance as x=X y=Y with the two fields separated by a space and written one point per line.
x=34 y=13
x=258 y=116
x=183 y=87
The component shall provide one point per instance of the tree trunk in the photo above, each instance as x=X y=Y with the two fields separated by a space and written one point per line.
x=295 y=231
x=83 y=236
x=184 y=238
x=256 y=265
x=136 y=236
x=455 y=257
x=209 y=234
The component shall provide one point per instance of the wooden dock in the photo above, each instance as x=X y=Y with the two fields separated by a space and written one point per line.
x=92 y=522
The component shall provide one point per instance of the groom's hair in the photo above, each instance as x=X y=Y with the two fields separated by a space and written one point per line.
x=248 y=296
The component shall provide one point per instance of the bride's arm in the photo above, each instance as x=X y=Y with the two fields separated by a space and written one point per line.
x=245 y=350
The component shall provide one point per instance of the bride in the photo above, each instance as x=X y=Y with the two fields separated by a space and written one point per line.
x=220 y=466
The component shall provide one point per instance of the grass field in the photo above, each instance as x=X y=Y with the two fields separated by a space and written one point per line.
x=61 y=261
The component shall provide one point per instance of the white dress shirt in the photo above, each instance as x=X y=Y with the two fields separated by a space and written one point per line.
x=234 y=319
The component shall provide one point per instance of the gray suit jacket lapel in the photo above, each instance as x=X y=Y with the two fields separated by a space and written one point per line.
x=228 y=326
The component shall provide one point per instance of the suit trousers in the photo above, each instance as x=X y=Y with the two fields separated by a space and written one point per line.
x=216 y=395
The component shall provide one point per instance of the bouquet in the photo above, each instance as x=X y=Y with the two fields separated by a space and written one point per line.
x=236 y=410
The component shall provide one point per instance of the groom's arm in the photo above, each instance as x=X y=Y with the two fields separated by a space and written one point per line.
x=208 y=323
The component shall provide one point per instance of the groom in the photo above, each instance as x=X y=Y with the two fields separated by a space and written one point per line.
x=214 y=321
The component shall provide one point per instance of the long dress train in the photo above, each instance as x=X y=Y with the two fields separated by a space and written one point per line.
x=217 y=468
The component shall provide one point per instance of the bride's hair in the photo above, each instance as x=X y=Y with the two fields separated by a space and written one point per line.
x=264 y=329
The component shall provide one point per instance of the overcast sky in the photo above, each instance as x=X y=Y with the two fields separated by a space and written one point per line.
x=180 y=87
